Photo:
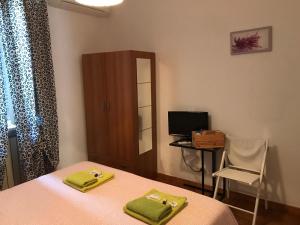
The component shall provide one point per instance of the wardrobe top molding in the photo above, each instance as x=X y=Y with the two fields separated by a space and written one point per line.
x=141 y=53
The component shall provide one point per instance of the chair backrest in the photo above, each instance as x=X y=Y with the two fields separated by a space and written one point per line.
x=246 y=153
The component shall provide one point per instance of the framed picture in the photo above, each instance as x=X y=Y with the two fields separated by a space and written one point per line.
x=251 y=41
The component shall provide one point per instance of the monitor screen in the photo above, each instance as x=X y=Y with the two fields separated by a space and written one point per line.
x=183 y=123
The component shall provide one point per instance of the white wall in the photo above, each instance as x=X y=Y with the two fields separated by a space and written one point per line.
x=254 y=95
x=73 y=34
x=249 y=95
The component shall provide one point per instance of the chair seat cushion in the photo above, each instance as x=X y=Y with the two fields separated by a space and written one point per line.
x=238 y=175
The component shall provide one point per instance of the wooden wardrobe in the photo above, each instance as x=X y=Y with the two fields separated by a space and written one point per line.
x=120 y=105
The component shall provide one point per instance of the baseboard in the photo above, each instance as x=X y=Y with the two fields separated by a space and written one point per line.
x=176 y=181
x=181 y=183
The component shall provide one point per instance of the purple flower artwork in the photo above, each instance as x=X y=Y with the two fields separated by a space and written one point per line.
x=254 y=40
x=246 y=43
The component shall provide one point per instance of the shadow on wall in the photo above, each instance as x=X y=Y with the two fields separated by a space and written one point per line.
x=274 y=180
x=274 y=176
x=166 y=87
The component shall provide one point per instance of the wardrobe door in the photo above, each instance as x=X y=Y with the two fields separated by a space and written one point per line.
x=96 y=107
x=122 y=97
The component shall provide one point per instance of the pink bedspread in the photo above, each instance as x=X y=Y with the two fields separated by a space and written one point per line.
x=47 y=201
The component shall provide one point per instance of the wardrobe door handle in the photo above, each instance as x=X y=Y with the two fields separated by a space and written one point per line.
x=103 y=107
x=108 y=107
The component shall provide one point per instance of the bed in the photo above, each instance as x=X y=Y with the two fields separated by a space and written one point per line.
x=47 y=201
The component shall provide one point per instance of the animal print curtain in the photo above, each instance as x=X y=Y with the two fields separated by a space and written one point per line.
x=26 y=42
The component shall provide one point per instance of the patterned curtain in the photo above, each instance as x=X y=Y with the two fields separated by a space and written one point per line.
x=3 y=122
x=26 y=44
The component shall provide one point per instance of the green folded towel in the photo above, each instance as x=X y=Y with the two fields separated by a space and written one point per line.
x=102 y=178
x=177 y=203
x=153 y=210
x=82 y=178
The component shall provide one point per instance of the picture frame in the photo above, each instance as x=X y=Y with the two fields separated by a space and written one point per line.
x=251 y=41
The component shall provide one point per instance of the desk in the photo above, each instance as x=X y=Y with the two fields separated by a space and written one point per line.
x=213 y=152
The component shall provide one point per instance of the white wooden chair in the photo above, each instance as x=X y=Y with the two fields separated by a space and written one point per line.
x=245 y=163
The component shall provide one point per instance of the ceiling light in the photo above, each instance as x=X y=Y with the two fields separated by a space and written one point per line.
x=99 y=3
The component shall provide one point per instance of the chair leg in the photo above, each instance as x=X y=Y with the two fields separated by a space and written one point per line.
x=266 y=194
x=228 y=188
x=216 y=187
x=256 y=205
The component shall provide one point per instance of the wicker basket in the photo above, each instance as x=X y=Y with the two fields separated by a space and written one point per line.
x=208 y=139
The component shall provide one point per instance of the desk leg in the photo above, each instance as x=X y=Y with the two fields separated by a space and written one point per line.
x=202 y=171
x=213 y=169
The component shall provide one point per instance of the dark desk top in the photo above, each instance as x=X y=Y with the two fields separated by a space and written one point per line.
x=190 y=146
